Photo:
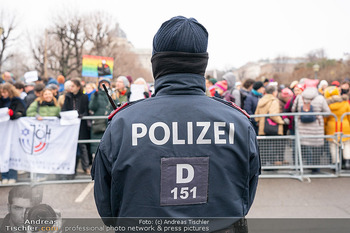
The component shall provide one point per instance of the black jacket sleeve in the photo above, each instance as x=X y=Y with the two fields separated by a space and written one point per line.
x=67 y=105
x=84 y=105
x=18 y=108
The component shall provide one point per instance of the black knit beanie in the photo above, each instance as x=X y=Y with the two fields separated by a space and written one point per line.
x=257 y=85
x=181 y=34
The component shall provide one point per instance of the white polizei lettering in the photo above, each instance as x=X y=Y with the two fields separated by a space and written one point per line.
x=166 y=133
x=218 y=132
x=231 y=135
x=189 y=133
x=176 y=140
x=179 y=173
x=200 y=139
x=135 y=134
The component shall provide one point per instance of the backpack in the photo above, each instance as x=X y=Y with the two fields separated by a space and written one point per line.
x=307 y=108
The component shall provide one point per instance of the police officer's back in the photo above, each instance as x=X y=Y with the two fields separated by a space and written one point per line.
x=180 y=153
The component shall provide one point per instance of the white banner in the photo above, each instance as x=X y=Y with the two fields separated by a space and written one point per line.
x=43 y=146
x=5 y=144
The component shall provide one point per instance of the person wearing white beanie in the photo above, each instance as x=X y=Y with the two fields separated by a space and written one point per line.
x=122 y=91
x=322 y=86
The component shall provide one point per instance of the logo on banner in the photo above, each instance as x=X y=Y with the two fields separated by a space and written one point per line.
x=35 y=140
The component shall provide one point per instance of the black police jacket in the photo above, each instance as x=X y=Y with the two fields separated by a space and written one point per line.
x=178 y=154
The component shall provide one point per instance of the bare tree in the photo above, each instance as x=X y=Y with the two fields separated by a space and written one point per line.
x=66 y=45
x=100 y=34
x=315 y=55
x=37 y=49
x=7 y=26
x=71 y=37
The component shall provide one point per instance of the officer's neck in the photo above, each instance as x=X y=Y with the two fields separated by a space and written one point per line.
x=180 y=84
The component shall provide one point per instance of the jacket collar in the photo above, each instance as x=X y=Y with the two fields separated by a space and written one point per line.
x=180 y=84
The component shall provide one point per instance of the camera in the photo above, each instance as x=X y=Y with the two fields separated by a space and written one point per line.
x=42 y=217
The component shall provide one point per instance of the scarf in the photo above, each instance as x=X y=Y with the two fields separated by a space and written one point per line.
x=164 y=63
x=256 y=93
x=44 y=103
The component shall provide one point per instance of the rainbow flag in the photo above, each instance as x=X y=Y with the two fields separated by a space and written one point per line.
x=97 y=66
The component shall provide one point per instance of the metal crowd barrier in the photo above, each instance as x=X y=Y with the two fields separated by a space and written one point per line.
x=281 y=156
x=286 y=157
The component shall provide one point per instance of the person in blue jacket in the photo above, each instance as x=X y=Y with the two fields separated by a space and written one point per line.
x=251 y=102
x=179 y=153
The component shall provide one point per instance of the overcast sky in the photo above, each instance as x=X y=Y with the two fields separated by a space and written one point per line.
x=239 y=31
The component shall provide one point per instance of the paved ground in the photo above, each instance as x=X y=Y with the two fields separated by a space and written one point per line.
x=276 y=198
x=288 y=198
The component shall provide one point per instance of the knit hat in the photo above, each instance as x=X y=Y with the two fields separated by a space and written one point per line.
x=257 y=85
x=293 y=84
x=181 y=34
x=311 y=83
x=129 y=79
x=213 y=80
x=52 y=86
x=52 y=81
x=331 y=91
x=222 y=85
x=124 y=79
x=104 y=80
x=335 y=83
x=323 y=83
x=300 y=86
x=286 y=93
x=60 y=79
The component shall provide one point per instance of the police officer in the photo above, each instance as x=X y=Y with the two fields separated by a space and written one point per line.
x=180 y=153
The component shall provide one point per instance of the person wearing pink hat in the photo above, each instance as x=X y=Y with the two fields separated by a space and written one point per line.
x=284 y=96
x=221 y=88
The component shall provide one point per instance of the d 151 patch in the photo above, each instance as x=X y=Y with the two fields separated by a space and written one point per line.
x=184 y=180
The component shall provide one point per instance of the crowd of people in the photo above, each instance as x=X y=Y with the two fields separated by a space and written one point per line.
x=47 y=98
x=42 y=98
x=304 y=95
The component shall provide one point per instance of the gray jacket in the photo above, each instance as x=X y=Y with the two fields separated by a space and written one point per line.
x=315 y=128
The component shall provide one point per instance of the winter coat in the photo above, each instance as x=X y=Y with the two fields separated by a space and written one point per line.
x=30 y=98
x=338 y=105
x=251 y=102
x=316 y=128
x=269 y=104
x=288 y=108
x=16 y=104
x=78 y=102
x=243 y=93
x=126 y=161
x=123 y=97
x=99 y=106
x=43 y=110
